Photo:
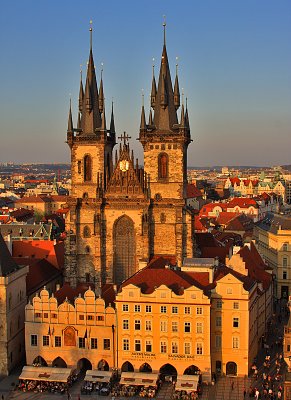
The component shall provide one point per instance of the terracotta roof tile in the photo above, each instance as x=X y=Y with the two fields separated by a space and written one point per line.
x=193 y=191
x=40 y=273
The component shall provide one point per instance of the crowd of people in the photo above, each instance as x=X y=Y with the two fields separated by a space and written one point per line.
x=97 y=388
x=130 y=391
x=183 y=395
x=42 y=386
x=268 y=378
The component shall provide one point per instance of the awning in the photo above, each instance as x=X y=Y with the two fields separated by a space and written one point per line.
x=138 y=378
x=48 y=374
x=187 y=382
x=94 y=375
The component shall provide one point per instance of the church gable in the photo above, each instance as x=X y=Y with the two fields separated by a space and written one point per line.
x=127 y=179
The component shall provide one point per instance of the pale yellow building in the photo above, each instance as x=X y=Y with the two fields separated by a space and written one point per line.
x=202 y=318
x=12 y=304
x=78 y=334
x=164 y=322
x=273 y=239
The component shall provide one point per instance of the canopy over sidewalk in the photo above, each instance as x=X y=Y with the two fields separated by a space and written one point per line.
x=47 y=374
x=138 y=378
x=94 y=375
x=187 y=382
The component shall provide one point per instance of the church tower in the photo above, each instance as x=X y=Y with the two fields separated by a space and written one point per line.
x=122 y=214
x=91 y=145
x=165 y=141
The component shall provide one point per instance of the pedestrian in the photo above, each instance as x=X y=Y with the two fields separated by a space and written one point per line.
x=2 y=397
x=245 y=393
x=232 y=385
x=79 y=398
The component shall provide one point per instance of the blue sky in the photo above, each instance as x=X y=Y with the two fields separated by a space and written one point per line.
x=234 y=66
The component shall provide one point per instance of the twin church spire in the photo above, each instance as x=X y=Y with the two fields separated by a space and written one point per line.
x=165 y=102
x=91 y=117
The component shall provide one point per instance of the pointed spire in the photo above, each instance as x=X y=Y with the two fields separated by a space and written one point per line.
x=81 y=92
x=154 y=88
x=165 y=117
x=143 y=118
x=151 y=118
x=101 y=92
x=164 y=95
x=79 y=121
x=103 y=122
x=176 y=89
x=88 y=100
x=187 y=123
x=70 y=119
x=112 y=124
x=182 y=119
x=91 y=117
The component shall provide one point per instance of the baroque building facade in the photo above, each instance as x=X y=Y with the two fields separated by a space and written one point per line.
x=122 y=214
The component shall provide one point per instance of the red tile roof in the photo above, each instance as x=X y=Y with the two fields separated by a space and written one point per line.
x=41 y=272
x=235 y=180
x=193 y=191
x=255 y=265
x=242 y=202
x=213 y=252
x=225 y=217
x=38 y=249
x=67 y=291
x=34 y=199
x=158 y=273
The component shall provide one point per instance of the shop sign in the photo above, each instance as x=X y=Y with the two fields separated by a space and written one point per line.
x=143 y=355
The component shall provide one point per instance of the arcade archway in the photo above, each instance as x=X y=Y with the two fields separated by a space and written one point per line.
x=40 y=361
x=59 y=363
x=192 y=370
x=145 y=367
x=127 y=367
x=168 y=370
x=231 y=368
x=103 y=365
x=83 y=365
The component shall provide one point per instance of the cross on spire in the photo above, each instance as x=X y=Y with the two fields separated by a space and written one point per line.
x=124 y=137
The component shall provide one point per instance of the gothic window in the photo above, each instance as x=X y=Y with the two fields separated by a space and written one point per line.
x=86 y=232
x=124 y=249
x=87 y=168
x=163 y=218
x=163 y=161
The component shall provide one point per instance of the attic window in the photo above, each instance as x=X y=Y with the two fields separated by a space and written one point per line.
x=130 y=294
x=229 y=291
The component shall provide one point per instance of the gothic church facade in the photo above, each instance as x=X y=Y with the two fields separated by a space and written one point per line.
x=121 y=214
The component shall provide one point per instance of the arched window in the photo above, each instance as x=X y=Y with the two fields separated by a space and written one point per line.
x=87 y=168
x=163 y=218
x=86 y=232
x=163 y=161
x=124 y=249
